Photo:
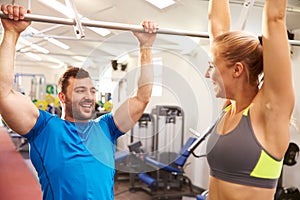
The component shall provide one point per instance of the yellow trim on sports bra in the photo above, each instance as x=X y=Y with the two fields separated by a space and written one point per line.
x=245 y=112
x=267 y=167
x=227 y=108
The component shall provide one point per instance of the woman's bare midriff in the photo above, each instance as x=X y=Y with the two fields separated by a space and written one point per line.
x=222 y=190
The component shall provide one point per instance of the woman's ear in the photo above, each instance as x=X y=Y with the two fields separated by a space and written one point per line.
x=238 y=69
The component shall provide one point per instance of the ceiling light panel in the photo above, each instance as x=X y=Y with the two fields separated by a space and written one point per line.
x=101 y=31
x=40 y=49
x=63 y=9
x=24 y=41
x=33 y=56
x=58 y=7
x=58 y=43
x=80 y=58
x=161 y=4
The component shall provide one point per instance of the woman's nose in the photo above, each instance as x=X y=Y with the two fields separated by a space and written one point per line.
x=207 y=73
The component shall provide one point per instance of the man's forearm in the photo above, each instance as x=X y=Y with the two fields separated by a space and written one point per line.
x=7 y=56
x=146 y=75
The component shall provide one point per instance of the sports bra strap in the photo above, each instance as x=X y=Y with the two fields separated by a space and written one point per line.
x=245 y=112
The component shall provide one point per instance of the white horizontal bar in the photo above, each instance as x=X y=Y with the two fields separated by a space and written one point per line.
x=294 y=42
x=118 y=26
x=109 y=25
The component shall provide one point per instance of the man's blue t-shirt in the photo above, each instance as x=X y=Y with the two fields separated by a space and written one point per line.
x=74 y=161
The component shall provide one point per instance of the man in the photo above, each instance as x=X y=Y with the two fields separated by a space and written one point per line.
x=73 y=155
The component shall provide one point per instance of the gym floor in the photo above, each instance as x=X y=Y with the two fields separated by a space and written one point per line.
x=122 y=193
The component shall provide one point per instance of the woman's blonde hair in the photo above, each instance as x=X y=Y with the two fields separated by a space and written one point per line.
x=238 y=46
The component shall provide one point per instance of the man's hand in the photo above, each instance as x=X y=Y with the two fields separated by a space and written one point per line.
x=16 y=22
x=147 y=39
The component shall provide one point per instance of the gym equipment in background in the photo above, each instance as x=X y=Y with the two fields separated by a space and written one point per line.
x=157 y=158
x=143 y=131
x=129 y=163
x=202 y=196
x=169 y=132
x=104 y=105
x=168 y=179
x=288 y=193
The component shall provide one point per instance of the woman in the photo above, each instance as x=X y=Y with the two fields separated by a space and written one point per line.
x=248 y=142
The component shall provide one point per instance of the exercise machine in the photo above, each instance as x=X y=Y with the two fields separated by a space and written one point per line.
x=168 y=180
x=288 y=193
x=143 y=131
x=169 y=132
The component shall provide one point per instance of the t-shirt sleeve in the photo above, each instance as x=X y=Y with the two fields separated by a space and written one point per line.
x=114 y=131
x=41 y=122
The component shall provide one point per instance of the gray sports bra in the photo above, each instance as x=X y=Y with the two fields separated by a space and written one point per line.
x=238 y=157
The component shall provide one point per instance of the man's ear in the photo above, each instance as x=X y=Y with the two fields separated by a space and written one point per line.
x=61 y=97
x=238 y=69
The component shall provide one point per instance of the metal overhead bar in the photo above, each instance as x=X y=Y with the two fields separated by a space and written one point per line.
x=79 y=31
x=117 y=26
x=247 y=6
x=294 y=42
x=109 y=25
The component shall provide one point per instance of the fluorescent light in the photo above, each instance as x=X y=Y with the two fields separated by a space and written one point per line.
x=161 y=4
x=79 y=58
x=58 y=43
x=23 y=41
x=123 y=58
x=58 y=7
x=33 y=56
x=33 y=30
x=34 y=46
x=60 y=65
x=101 y=31
x=40 y=49
x=55 y=60
x=18 y=47
x=63 y=9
